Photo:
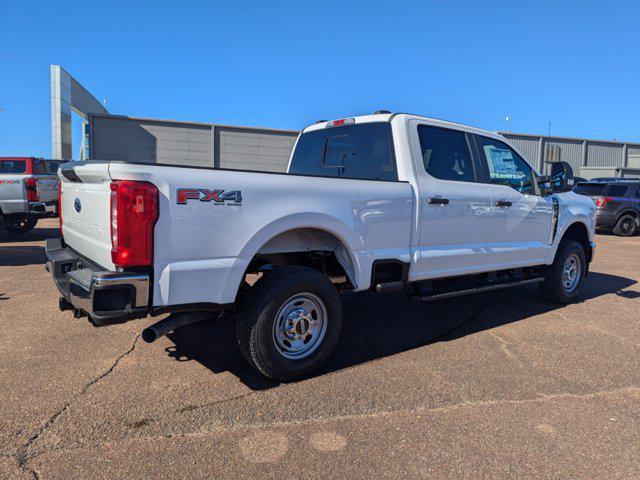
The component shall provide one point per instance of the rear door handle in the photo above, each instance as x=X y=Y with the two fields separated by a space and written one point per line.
x=503 y=203
x=438 y=201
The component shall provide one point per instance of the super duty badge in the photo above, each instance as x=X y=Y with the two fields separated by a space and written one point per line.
x=219 y=197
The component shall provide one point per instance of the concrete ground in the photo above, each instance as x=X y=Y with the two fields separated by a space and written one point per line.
x=499 y=385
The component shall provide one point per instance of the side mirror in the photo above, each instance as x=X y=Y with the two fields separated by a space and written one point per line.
x=561 y=177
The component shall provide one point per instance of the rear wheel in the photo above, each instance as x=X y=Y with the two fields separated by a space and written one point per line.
x=626 y=226
x=20 y=223
x=1 y=223
x=289 y=323
x=564 y=277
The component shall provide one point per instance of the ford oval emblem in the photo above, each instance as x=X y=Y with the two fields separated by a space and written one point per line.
x=77 y=205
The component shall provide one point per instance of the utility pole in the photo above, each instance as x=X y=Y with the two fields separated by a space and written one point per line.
x=549 y=129
x=506 y=123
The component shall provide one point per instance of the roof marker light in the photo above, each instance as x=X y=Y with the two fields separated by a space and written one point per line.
x=340 y=122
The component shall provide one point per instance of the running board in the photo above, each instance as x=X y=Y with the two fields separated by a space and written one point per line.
x=467 y=291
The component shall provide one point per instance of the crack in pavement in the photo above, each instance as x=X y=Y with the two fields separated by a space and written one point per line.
x=504 y=347
x=630 y=390
x=23 y=456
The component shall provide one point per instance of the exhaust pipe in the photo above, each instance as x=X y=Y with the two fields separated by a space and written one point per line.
x=171 y=324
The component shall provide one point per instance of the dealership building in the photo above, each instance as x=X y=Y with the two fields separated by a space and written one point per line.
x=117 y=137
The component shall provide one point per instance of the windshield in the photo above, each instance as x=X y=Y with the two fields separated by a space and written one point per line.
x=13 y=166
x=590 y=189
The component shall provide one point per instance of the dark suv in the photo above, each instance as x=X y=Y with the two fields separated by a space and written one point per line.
x=617 y=202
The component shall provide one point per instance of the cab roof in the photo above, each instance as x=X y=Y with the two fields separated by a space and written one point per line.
x=402 y=117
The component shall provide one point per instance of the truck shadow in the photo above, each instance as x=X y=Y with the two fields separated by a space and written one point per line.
x=377 y=326
x=13 y=254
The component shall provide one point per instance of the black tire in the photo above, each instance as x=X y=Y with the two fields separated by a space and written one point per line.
x=260 y=316
x=554 y=287
x=626 y=226
x=1 y=224
x=20 y=223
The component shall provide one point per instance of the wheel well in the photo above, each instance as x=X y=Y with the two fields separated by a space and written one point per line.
x=633 y=213
x=309 y=247
x=578 y=232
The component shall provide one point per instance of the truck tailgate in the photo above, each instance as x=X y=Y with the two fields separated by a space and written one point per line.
x=86 y=211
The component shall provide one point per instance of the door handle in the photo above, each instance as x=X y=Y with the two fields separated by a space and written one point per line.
x=503 y=203
x=438 y=201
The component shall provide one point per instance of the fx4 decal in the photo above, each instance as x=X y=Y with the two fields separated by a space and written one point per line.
x=234 y=197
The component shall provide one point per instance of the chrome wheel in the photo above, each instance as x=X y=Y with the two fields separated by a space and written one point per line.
x=571 y=273
x=300 y=326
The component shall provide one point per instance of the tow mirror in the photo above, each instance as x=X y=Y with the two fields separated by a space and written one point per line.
x=561 y=177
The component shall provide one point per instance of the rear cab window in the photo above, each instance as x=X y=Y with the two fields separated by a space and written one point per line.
x=15 y=167
x=361 y=151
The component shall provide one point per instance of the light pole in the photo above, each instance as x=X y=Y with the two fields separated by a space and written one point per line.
x=506 y=123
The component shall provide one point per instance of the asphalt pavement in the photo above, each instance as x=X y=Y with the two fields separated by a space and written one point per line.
x=495 y=385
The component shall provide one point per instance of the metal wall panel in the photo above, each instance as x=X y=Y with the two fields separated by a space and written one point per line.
x=570 y=151
x=633 y=150
x=117 y=138
x=600 y=154
x=181 y=143
x=527 y=146
x=249 y=149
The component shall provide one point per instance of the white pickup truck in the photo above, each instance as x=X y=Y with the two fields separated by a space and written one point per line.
x=28 y=191
x=385 y=202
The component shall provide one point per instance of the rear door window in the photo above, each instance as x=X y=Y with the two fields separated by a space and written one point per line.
x=617 y=191
x=445 y=154
x=13 y=166
x=589 y=189
x=363 y=152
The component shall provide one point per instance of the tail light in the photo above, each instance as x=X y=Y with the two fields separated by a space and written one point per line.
x=602 y=201
x=134 y=211
x=60 y=207
x=31 y=185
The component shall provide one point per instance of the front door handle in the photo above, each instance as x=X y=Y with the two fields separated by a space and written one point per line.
x=503 y=203
x=438 y=201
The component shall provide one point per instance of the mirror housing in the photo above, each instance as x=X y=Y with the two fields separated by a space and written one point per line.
x=561 y=177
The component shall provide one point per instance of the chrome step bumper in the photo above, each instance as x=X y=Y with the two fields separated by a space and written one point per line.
x=104 y=296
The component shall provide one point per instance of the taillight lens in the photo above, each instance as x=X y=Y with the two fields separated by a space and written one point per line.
x=60 y=207
x=31 y=185
x=134 y=211
x=602 y=201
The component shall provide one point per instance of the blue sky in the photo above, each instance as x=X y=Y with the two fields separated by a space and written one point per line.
x=285 y=64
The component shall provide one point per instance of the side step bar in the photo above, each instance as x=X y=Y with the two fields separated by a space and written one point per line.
x=466 y=291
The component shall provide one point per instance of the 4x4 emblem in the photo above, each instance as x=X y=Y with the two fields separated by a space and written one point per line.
x=233 y=197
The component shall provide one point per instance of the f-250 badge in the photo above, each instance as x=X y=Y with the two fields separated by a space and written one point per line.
x=219 y=197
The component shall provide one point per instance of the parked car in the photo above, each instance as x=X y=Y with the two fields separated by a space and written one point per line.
x=28 y=191
x=617 y=202
x=385 y=202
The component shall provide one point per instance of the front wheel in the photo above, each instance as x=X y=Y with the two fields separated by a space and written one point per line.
x=289 y=323
x=564 y=277
x=626 y=226
x=20 y=223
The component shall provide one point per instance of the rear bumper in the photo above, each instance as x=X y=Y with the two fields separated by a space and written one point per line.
x=43 y=209
x=104 y=296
